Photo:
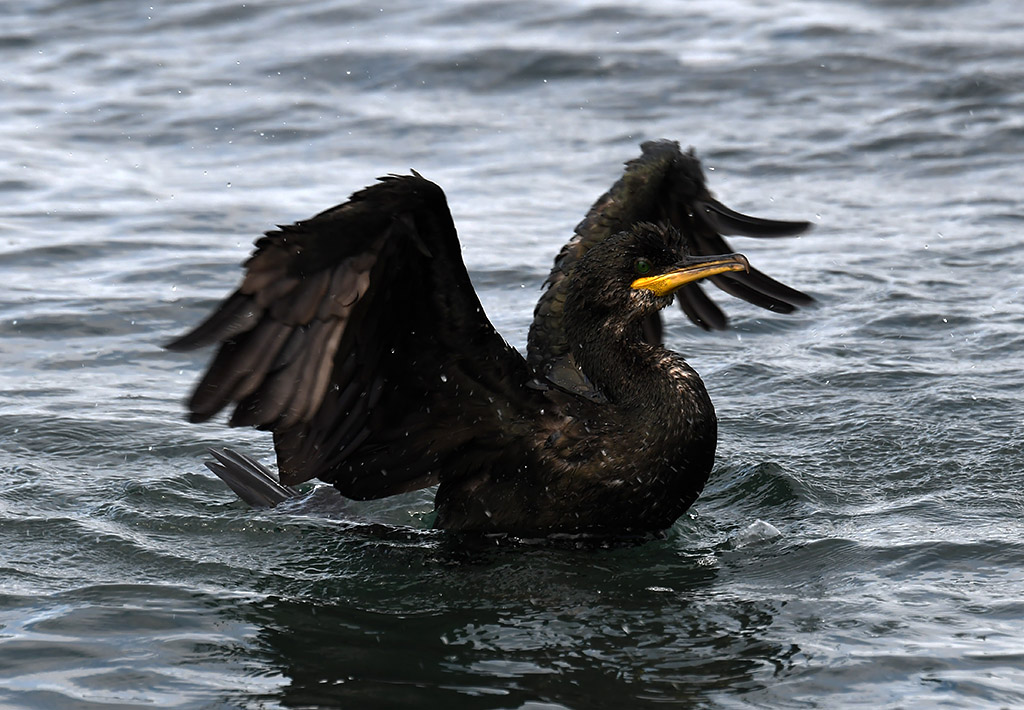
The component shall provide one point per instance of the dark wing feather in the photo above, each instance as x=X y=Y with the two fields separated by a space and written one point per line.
x=753 y=286
x=357 y=338
x=663 y=185
x=728 y=221
x=700 y=309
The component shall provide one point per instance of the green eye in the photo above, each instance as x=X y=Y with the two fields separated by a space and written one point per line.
x=642 y=266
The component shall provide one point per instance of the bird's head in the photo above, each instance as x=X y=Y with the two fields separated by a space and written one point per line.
x=637 y=272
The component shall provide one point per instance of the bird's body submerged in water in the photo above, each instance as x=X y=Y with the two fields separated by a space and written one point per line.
x=357 y=338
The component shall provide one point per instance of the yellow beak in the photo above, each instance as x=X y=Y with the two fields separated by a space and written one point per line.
x=691 y=269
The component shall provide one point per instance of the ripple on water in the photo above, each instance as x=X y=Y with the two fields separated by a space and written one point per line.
x=125 y=643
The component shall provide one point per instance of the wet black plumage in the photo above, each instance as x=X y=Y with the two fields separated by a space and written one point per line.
x=357 y=338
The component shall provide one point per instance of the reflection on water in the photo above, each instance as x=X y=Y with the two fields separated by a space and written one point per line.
x=574 y=626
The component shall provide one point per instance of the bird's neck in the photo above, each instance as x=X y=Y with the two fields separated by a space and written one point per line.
x=632 y=373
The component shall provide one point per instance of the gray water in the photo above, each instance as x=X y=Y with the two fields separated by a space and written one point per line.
x=144 y=146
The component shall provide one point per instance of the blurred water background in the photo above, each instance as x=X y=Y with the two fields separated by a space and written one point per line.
x=146 y=144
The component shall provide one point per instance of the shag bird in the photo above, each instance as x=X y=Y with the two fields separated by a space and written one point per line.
x=357 y=338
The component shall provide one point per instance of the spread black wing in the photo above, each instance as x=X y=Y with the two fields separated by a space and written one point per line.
x=357 y=338
x=662 y=185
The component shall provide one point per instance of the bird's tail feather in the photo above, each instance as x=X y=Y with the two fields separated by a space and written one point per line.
x=252 y=481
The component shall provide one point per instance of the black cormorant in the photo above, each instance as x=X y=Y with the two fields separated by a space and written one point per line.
x=357 y=338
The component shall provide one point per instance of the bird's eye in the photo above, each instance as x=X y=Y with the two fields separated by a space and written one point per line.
x=642 y=266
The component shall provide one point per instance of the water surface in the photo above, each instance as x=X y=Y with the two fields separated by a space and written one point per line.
x=145 y=147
